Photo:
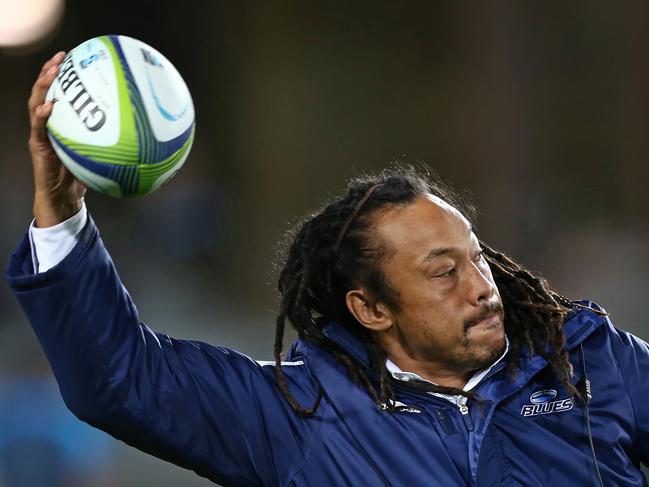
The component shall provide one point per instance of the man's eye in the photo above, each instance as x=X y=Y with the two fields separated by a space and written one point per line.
x=479 y=257
x=448 y=273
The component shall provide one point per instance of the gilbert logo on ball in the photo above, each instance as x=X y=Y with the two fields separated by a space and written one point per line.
x=124 y=118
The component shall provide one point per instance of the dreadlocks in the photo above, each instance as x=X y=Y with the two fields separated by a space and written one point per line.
x=335 y=250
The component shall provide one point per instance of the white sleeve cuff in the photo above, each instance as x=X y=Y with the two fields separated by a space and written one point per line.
x=52 y=244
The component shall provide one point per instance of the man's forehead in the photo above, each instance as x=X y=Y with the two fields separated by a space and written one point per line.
x=428 y=219
x=447 y=207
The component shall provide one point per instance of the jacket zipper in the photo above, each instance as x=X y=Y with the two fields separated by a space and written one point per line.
x=464 y=410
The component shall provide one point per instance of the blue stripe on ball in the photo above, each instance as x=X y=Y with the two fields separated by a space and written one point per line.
x=151 y=150
x=127 y=176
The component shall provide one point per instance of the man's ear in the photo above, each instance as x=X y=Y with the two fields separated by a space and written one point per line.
x=373 y=315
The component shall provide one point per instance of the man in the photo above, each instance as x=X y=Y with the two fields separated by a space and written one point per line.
x=425 y=357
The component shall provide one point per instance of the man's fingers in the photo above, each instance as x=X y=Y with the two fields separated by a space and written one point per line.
x=54 y=60
x=39 y=120
x=44 y=81
x=39 y=90
x=41 y=113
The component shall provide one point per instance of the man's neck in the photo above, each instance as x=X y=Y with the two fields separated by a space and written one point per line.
x=402 y=366
x=431 y=371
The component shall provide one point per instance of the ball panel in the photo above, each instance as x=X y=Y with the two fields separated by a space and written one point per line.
x=165 y=177
x=143 y=132
x=121 y=155
x=88 y=177
x=99 y=174
x=164 y=93
x=152 y=176
x=88 y=108
x=151 y=148
x=128 y=132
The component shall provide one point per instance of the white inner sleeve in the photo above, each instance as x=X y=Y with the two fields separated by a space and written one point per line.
x=52 y=244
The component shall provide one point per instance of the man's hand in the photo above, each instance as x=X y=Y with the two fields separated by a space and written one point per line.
x=58 y=194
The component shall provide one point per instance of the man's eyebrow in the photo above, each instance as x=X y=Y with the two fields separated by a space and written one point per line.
x=437 y=253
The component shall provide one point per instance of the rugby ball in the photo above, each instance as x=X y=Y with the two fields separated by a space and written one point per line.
x=123 y=121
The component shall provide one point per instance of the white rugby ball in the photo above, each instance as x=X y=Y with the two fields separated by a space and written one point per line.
x=123 y=122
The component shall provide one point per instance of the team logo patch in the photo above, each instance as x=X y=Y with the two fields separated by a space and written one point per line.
x=539 y=397
x=542 y=403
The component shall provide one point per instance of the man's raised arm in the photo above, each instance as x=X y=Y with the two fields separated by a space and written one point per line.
x=206 y=408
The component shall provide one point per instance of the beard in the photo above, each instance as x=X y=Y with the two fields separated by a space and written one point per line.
x=481 y=352
x=495 y=307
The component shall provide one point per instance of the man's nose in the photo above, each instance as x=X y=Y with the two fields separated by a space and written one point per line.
x=480 y=285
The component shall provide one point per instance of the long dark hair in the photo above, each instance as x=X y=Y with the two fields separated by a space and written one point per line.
x=335 y=250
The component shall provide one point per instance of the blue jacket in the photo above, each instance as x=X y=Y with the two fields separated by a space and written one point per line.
x=220 y=413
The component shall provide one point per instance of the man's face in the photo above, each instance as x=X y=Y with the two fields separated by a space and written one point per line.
x=450 y=312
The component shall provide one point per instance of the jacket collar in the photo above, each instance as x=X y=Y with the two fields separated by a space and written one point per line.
x=578 y=325
x=346 y=340
x=346 y=396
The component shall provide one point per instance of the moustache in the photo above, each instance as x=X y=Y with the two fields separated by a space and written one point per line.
x=486 y=311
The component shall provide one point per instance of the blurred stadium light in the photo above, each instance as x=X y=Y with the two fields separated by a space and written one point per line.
x=25 y=22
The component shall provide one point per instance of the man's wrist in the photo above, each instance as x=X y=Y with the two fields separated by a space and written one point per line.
x=48 y=213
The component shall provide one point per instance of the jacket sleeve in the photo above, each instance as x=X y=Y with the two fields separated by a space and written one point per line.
x=205 y=408
x=632 y=355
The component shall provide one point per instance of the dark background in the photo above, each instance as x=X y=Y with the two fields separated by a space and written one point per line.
x=540 y=110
